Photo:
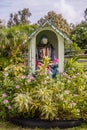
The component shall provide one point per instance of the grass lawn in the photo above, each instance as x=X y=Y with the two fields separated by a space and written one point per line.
x=9 y=126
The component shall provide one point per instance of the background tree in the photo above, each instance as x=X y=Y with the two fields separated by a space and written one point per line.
x=85 y=14
x=57 y=20
x=24 y=15
x=79 y=35
x=21 y=17
x=2 y=24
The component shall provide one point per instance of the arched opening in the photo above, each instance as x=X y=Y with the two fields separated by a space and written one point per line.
x=47 y=47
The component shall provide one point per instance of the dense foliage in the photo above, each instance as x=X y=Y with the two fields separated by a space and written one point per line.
x=14 y=44
x=79 y=35
x=40 y=96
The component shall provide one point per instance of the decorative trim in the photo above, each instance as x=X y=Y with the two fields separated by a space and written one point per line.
x=54 y=28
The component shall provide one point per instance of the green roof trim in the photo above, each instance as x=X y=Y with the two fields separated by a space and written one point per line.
x=54 y=28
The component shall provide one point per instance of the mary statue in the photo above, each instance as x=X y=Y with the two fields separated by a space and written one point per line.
x=44 y=48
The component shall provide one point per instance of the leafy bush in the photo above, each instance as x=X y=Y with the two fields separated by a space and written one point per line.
x=72 y=66
x=9 y=81
x=73 y=96
x=41 y=96
x=23 y=102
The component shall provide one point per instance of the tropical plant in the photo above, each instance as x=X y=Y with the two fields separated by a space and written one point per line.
x=42 y=74
x=14 y=44
x=47 y=108
x=72 y=66
x=23 y=102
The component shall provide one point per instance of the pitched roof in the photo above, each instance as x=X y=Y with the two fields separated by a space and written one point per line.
x=54 y=28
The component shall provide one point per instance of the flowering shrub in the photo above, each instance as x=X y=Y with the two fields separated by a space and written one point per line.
x=39 y=95
x=5 y=105
x=72 y=66
x=74 y=94
x=13 y=80
x=15 y=70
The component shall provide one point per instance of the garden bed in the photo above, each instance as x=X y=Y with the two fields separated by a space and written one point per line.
x=33 y=123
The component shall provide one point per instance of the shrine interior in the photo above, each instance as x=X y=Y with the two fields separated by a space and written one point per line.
x=46 y=45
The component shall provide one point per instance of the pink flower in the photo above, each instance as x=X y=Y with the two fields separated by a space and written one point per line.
x=31 y=77
x=18 y=86
x=23 y=77
x=9 y=107
x=4 y=95
x=65 y=74
x=5 y=101
x=56 y=60
x=29 y=80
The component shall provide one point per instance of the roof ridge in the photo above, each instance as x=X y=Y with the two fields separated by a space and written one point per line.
x=64 y=35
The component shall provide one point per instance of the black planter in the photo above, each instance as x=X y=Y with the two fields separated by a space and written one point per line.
x=32 y=123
